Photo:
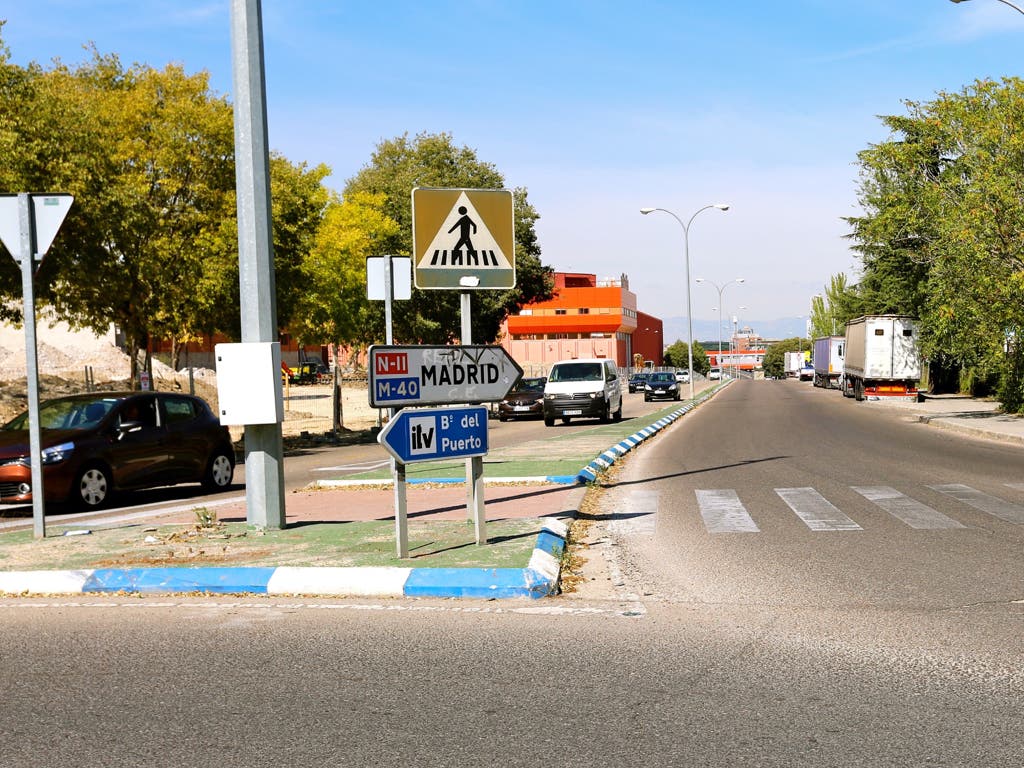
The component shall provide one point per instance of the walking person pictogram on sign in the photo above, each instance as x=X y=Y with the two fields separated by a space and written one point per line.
x=463 y=225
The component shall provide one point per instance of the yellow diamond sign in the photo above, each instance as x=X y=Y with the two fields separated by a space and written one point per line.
x=463 y=238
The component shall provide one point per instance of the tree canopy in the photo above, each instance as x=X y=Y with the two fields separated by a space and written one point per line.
x=942 y=235
x=433 y=160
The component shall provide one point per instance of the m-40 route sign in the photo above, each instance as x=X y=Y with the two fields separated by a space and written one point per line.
x=425 y=375
x=428 y=434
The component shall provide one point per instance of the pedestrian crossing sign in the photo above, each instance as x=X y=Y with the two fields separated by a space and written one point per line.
x=463 y=238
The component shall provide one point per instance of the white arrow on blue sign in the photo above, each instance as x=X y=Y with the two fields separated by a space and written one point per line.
x=428 y=434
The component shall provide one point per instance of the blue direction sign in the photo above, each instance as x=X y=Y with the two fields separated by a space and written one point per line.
x=428 y=434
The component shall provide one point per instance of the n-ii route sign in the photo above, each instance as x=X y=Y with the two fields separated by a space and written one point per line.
x=425 y=375
x=463 y=238
x=428 y=434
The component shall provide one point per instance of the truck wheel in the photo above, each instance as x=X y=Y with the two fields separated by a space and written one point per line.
x=858 y=390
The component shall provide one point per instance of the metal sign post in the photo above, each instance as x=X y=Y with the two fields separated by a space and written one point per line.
x=37 y=219
x=474 y=466
x=388 y=278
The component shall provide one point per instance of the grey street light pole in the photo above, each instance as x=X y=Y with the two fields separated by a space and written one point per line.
x=720 y=289
x=686 y=256
x=1017 y=8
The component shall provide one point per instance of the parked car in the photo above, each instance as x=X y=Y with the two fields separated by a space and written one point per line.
x=636 y=381
x=94 y=445
x=715 y=373
x=683 y=377
x=525 y=399
x=661 y=386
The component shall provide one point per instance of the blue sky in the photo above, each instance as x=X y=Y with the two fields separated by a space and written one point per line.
x=598 y=109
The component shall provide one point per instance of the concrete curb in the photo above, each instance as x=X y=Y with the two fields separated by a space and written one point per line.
x=539 y=578
x=590 y=472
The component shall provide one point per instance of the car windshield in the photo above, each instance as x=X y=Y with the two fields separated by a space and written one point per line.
x=66 y=414
x=576 y=372
x=531 y=385
x=662 y=377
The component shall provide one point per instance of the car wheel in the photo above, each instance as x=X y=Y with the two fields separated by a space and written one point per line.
x=93 y=488
x=565 y=419
x=503 y=418
x=219 y=471
x=618 y=414
x=549 y=421
x=647 y=399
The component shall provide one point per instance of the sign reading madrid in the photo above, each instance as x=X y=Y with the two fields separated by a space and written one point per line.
x=463 y=238
x=425 y=375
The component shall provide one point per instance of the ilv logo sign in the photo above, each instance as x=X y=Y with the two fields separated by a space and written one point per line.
x=463 y=238
x=436 y=433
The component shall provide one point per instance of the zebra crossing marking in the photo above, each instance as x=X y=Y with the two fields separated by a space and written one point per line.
x=639 y=515
x=984 y=502
x=723 y=512
x=912 y=512
x=817 y=512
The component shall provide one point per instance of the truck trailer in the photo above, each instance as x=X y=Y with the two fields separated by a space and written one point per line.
x=828 y=355
x=793 y=362
x=882 y=359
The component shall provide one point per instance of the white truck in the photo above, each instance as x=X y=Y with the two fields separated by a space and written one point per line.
x=793 y=363
x=882 y=358
x=828 y=355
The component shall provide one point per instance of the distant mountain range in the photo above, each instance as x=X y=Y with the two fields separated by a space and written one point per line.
x=706 y=331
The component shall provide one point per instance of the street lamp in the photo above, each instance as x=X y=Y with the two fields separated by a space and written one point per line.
x=1017 y=8
x=686 y=256
x=720 y=289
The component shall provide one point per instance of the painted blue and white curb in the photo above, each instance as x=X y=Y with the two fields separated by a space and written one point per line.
x=590 y=472
x=538 y=579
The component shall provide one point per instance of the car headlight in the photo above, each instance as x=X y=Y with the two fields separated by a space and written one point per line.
x=57 y=453
x=549 y=396
x=647 y=387
x=539 y=401
x=595 y=395
x=671 y=386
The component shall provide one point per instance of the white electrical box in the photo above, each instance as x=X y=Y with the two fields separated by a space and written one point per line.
x=249 y=383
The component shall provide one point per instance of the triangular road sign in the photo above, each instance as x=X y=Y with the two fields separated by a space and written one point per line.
x=49 y=212
x=463 y=238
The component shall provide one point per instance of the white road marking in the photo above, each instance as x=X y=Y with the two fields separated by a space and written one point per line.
x=638 y=514
x=723 y=512
x=992 y=505
x=912 y=512
x=815 y=510
x=364 y=466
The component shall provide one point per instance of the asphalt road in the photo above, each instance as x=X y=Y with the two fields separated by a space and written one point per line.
x=881 y=645
x=305 y=465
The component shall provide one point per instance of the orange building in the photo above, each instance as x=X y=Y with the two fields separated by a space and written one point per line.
x=586 y=317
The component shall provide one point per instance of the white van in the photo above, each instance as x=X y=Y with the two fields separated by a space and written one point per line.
x=588 y=387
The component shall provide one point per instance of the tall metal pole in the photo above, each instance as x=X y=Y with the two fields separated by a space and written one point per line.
x=686 y=256
x=26 y=226
x=264 y=451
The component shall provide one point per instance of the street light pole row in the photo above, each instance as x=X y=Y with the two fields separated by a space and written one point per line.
x=686 y=256
x=720 y=290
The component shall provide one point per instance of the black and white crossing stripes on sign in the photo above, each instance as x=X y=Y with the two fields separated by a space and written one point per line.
x=463 y=238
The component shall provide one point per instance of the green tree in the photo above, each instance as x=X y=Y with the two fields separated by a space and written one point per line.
x=335 y=309
x=433 y=160
x=943 y=232
x=774 y=363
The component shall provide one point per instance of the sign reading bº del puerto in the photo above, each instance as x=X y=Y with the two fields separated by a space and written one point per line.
x=427 y=375
x=428 y=434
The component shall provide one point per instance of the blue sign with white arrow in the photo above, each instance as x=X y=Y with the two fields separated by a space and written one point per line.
x=428 y=434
